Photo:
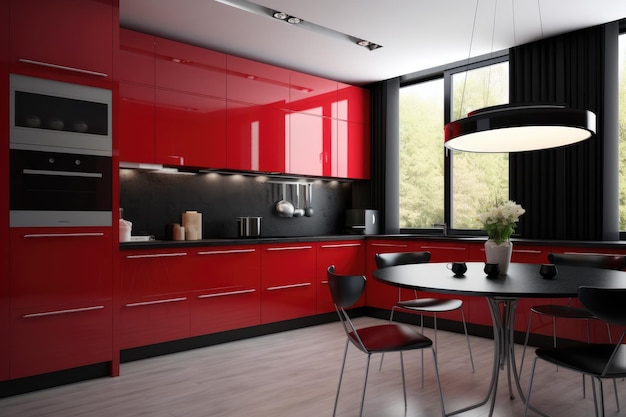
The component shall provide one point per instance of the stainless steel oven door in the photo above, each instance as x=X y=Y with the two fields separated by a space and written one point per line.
x=49 y=189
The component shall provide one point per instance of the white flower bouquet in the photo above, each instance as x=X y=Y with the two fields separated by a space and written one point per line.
x=500 y=220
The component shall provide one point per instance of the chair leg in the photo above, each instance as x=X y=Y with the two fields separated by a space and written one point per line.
x=403 y=380
x=530 y=387
x=598 y=397
x=343 y=365
x=443 y=408
x=469 y=347
x=367 y=370
x=521 y=365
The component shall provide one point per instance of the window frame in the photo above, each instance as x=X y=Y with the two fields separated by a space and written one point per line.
x=446 y=73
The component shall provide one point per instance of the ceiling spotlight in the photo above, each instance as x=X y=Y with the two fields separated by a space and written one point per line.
x=280 y=15
x=294 y=20
x=367 y=44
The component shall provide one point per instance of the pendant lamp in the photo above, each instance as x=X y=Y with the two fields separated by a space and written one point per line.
x=518 y=127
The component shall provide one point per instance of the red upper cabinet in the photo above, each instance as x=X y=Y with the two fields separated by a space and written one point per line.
x=137 y=57
x=257 y=138
x=311 y=94
x=352 y=150
x=310 y=144
x=136 y=123
x=70 y=40
x=189 y=68
x=353 y=104
x=190 y=129
x=256 y=83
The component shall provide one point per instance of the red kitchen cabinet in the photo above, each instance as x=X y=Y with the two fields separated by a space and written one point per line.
x=190 y=130
x=137 y=57
x=310 y=144
x=288 y=276
x=226 y=289
x=136 y=118
x=257 y=138
x=69 y=40
x=378 y=294
x=256 y=83
x=189 y=68
x=312 y=95
x=353 y=104
x=348 y=258
x=154 y=293
x=352 y=151
x=61 y=296
x=4 y=191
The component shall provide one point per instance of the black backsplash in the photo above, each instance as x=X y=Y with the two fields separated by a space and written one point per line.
x=151 y=200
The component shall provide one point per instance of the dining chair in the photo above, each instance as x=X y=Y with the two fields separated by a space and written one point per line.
x=599 y=361
x=421 y=305
x=557 y=311
x=345 y=290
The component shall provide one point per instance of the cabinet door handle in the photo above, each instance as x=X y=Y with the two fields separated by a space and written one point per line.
x=37 y=235
x=525 y=251
x=444 y=248
x=63 y=67
x=291 y=248
x=223 y=294
x=341 y=245
x=390 y=245
x=148 y=303
x=285 y=287
x=223 y=252
x=156 y=255
x=53 y=173
x=57 y=312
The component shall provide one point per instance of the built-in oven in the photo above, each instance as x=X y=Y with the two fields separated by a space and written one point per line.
x=60 y=154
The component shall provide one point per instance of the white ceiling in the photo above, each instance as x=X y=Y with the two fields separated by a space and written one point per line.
x=415 y=34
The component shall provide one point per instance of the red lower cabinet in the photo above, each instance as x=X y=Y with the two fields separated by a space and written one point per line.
x=287 y=281
x=226 y=292
x=348 y=257
x=56 y=337
x=154 y=303
x=61 y=299
x=379 y=294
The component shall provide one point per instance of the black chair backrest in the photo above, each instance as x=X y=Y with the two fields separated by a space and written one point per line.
x=345 y=290
x=590 y=260
x=607 y=304
x=384 y=260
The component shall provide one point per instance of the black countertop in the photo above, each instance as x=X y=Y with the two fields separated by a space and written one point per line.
x=155 y=244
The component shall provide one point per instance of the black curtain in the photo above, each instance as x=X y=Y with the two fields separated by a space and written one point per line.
x=569 y=193
x=385 y=151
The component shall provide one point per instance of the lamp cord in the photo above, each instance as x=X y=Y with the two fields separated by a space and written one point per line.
x=469 y=55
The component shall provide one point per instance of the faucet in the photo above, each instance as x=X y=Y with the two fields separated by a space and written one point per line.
x=442 y=226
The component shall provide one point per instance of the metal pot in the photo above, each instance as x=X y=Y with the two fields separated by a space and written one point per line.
x=249 y=226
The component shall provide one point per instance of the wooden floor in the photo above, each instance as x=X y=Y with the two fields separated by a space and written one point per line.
x=295 y=373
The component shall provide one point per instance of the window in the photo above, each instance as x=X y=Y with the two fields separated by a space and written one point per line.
x=475 y=178
x=421 y=155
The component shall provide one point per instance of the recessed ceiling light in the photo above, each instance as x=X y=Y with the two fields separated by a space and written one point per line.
x=280 y=15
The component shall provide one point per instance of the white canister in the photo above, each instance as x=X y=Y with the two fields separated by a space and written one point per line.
x=192 y=222
x=125 y=230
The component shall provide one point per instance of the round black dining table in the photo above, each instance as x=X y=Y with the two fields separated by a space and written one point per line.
x=502 y=293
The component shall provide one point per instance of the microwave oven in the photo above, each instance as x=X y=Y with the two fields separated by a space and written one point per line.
x=49 y=115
